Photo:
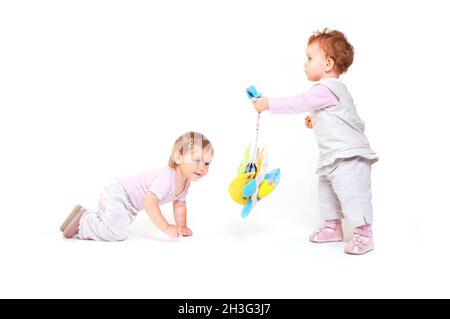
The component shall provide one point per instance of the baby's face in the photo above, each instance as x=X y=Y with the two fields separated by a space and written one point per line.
x=316 y=62
x=195 y=164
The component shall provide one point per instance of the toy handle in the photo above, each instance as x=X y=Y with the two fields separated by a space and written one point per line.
x=252 y=93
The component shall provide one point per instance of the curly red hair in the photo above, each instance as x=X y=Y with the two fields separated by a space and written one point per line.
x=335 y=46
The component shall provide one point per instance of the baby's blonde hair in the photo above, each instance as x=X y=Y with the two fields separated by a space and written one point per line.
x=187 y=142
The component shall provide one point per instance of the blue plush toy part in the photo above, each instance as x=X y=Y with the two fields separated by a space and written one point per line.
x=247 y=208
x=252 y=93
x=273 y=176
x=250 y=188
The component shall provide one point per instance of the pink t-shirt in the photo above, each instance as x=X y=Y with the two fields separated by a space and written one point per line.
x=160 y=182
x=318 y=97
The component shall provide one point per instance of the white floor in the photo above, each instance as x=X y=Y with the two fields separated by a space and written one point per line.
x=266 y=255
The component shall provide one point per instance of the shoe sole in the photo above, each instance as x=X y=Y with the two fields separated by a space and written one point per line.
x=75 y=210
x=327 y=241
x=356 y=254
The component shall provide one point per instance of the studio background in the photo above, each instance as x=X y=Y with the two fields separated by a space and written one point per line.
x=94 y=90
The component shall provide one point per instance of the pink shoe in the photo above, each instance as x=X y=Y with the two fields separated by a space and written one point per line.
x=72 y=227
x=332 y=232
x=74 y=212
x=361 y=243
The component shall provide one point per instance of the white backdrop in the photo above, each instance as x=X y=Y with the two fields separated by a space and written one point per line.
x=93 y=90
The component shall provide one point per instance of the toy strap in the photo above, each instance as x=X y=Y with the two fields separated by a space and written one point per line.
x=255 y=152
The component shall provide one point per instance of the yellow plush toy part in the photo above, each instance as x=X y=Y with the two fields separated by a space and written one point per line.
x=252 y=183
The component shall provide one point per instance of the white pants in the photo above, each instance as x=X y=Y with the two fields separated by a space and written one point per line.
x=114 y=214
x=344 y=191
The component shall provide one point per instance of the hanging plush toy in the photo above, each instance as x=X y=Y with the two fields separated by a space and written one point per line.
x=253 y=181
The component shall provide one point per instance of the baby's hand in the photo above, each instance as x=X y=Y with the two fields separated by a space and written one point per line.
x=308 y=121
x=261 y=104
x=174 y=231
x=186 y=231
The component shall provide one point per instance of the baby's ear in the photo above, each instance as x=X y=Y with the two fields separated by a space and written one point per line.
x=330 y=65
x=177 y=158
